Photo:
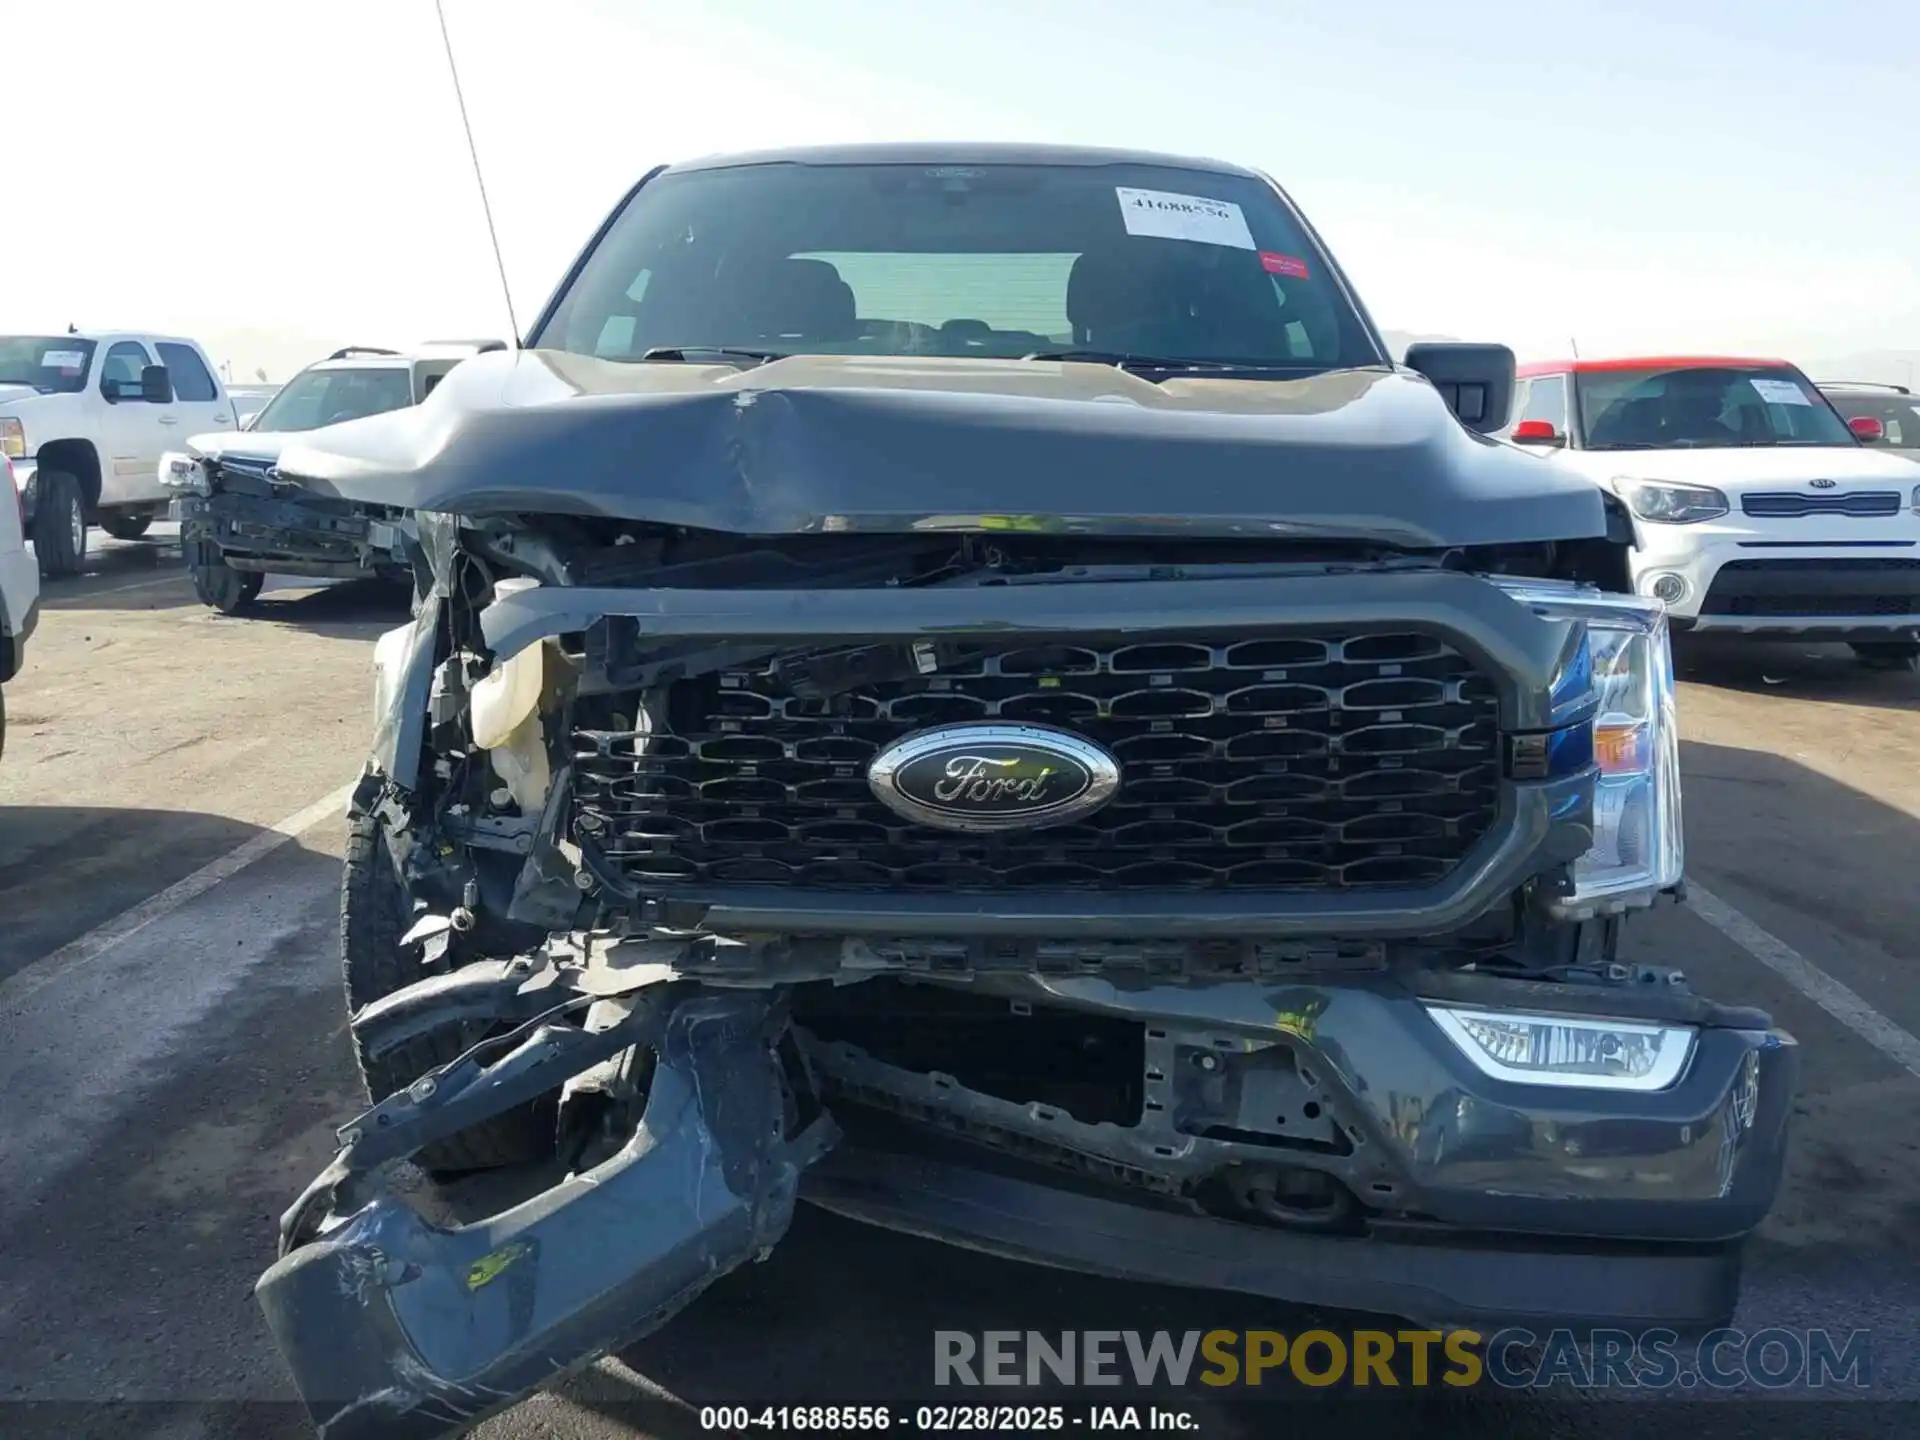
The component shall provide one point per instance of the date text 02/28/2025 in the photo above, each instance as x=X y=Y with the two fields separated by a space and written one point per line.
x=939 y=1419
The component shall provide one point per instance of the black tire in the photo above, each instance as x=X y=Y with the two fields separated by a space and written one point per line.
x=1888 y=654
x=126 y=524
x=59 y=525
x=373 y=918
x=226 y=589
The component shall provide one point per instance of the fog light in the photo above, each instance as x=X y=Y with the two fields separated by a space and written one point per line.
x=1671 y=589
x=1561 y=1050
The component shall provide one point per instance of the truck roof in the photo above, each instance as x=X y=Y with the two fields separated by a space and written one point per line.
x=102 y=337
x=959 y=153
x=1642 y=362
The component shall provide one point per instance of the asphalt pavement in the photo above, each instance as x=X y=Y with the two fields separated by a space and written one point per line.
x=173 y=1058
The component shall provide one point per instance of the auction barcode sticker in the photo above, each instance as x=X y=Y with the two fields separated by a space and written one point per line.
x=1167 y=216
x=1780 y=392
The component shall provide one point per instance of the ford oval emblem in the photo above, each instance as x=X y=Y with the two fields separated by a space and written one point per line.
x=988 y=776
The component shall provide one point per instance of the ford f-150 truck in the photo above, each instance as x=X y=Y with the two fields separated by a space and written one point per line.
x=965 y=685
x=85 y=417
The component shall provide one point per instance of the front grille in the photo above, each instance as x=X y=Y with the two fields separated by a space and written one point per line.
x=1792 y=504
x=1283 y=762
x=1856 y=585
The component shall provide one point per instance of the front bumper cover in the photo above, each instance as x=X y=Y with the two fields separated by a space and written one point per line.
x=13 y=643
x=26 y=479
x=1479 y=1283
x=1803 y=590
x=1483 y=1203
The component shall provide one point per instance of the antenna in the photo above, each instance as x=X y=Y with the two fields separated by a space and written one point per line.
x=1576 y=346
x=486 y=208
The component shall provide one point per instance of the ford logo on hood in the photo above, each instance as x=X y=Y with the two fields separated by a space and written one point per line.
x=982 y=777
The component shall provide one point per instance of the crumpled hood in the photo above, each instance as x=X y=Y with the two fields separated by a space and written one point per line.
x=832 y=443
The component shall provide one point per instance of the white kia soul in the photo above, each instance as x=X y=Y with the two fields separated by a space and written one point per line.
x=1757 y=509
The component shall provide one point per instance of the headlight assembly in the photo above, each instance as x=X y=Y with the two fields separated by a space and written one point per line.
x=1665 y=503
x=183 y=474
x=1638 y=846
x=13 y=438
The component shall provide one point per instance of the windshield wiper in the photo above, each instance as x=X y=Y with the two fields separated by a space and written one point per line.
x=694 y=354
x=1127 y=360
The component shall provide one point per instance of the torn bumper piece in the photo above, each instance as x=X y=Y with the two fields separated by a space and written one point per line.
x=396 y=1326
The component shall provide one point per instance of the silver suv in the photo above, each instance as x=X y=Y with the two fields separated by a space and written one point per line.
x=19 y=589
x=239 y=522
x=1894 y=408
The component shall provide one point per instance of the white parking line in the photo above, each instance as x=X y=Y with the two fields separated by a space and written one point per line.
x=102 y=938
x=136 y=585
x=1898 y=1045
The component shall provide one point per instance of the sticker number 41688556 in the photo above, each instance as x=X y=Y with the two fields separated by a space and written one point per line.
x=1170 y=216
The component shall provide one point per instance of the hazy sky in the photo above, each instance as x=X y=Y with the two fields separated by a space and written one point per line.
x=279 y=178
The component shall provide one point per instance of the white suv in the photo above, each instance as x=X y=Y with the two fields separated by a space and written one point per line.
x=85 y=417
x=19 y=591
x=1756 y=508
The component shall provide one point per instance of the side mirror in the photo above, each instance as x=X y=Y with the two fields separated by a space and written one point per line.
x=1868 y=429
x=246 y=420
x=1476 y=381
x=1537 y=432
x=156 y=386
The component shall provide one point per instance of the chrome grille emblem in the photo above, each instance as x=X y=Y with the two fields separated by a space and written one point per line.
x=984 y=777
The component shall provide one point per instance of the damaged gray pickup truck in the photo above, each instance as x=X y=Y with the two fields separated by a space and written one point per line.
x=965 y=685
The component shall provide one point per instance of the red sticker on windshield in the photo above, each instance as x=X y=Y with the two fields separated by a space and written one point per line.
x=1283 y=264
